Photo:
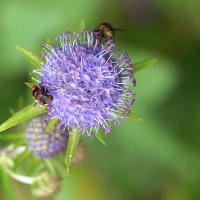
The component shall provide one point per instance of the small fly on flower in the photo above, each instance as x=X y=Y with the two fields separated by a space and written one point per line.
x=40 y=95
x=106 y=30
x=89 y=82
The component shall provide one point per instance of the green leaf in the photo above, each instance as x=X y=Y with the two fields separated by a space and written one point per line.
x=51 y=124
x=24 y=114
x=32 y=58
x=20 y=102
x=58 y=164
x=6 y=136
x=143 y=64
x=71 y=148
x=20 y=159
x=50 y=166
x=6 y=185
x=12 y=111
x=81 y=25
x=49 y=41
x=99 y=135
x=30 y=85
x=35 y=165
x=134 y=117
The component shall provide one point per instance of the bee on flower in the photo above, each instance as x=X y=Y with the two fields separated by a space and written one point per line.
x=89 y=83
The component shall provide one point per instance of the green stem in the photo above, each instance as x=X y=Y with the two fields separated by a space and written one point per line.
x=18 y=177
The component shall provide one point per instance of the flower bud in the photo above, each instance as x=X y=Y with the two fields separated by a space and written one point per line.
x=45 y=144
x=46 y=185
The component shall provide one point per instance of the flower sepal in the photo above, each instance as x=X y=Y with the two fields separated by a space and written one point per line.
x=72 y=146
x=100 y=136
x=143 y=64
x=81 y=26
x=31 y=57
x=134 y=117
x=30 y=85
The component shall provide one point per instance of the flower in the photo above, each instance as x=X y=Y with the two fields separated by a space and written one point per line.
x=9 y=153
x=45 y=144
x=45 y=185
x=89 y=81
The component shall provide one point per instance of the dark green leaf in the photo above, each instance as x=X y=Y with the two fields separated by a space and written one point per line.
x=22 y=115
x=81 y=25
x=51 y=124
x=143 y=64
x=134 y=117
x=71 y=148
x=34 y=59
x=100 y=136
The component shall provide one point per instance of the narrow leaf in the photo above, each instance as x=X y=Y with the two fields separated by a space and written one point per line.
x=20 y=102
x=6 y=185
x=12 y=111
x=51 y=124
x=58 y=164
x=24 y=114
x=71 y=148
x=20 y=159
x=134 y=117
x=34 y=59
x=99 y=135
x=50 y=167
x=81 y=25
x=35 y=165
x=30 y=85
x=143 y=64
x=49 y=41
x=11 y=136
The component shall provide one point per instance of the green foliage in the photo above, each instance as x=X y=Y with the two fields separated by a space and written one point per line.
x=6 y=185
x=24 y=114
x=51 y=124
x=11 y=137
x=134 y=117
x=100 y=136
x=71 y=148
x=143 y=64
x=81 y=25
x=32 y=58
x=50 y=167
x=22 y=158
x=30 y=85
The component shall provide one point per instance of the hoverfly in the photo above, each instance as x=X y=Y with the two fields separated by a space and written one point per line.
x=40 y=95
x=106 y=30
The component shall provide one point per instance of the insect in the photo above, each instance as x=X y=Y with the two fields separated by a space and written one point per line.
x=40 y=95
x=106 y=30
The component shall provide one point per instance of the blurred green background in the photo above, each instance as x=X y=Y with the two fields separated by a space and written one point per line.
x=157 y=159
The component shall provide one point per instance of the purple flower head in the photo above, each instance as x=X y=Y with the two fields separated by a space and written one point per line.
x=89 y=81
x=45 y=144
